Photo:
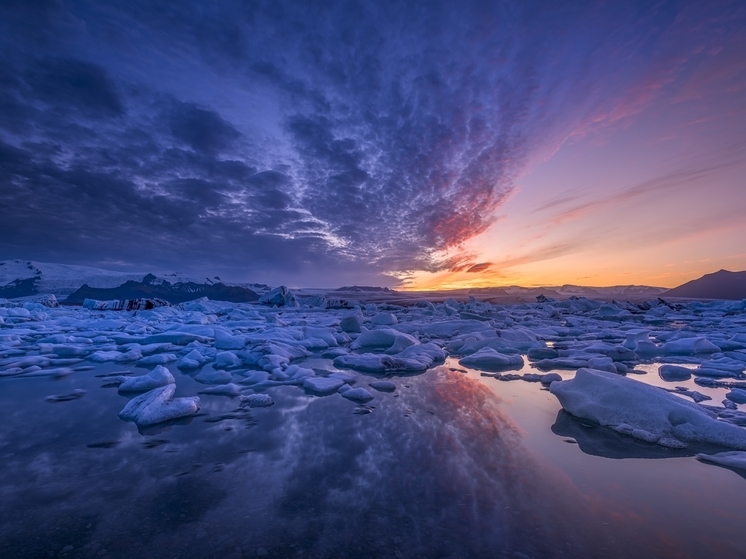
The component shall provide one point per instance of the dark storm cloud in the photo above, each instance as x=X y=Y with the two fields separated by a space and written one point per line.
x=202 y=130
x=73 y=85
x=286 y=140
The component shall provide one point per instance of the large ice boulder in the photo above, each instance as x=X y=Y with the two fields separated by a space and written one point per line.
x=279 y=297
x=643 y=411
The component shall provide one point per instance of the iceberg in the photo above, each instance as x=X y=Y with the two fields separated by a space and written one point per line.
x=643 y=411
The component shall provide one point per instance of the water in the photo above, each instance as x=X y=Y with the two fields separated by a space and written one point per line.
x=451 y=464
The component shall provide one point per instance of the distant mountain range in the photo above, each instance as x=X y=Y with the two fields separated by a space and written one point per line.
x=719 y=285
x=20 y=278
x=151 y=288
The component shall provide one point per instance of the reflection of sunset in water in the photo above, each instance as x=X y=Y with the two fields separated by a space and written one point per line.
x=447 y=465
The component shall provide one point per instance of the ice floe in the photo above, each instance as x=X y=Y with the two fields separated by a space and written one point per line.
x=643 y=411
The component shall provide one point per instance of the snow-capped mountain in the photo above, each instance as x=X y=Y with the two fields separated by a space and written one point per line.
x=23 y=278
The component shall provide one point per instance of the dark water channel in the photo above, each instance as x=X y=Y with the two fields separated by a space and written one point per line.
x=451 y=464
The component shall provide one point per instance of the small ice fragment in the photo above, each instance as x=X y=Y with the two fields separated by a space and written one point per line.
x=157 y=359
x=353 y=322
x=322 y=385
x=226 y=360
x=257 y=401
x=549 y=378
x=74 y=395
x=733 y=459
x=211 y=376
x=160 y=376
x=674 y=372
x=383 y=385
x=385 y=319
x=231 y=390
x=360 y=395
x=491 y=360
x=737 y=395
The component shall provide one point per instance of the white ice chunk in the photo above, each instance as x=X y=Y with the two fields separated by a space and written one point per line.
x=115 y=356
x=157 y=359
x=158 y=406
x=226 y=360
x=352 y=322
x=379 y=363
x=192 y=360
x=322 y=385
x=230 y=389
x=225 y=340
x=643 y=411
x=383 y=385
x=491 y=360
x=383 y=337
x=686 y=346
x=737 y=395
x=360 y=395
x=734 y=459
x=176 y=338
x=280 y=297
x=674 y=372
x=211 y=376
x=324 y=334
x=384 y=319
x=257 y=401
x=254 y=377
x=160 y=376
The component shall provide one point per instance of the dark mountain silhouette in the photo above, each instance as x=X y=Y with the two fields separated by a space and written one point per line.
x=719 y=285
x=151 y=288
x=19 y=288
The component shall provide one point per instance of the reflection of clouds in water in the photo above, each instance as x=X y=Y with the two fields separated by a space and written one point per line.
x=310 y=474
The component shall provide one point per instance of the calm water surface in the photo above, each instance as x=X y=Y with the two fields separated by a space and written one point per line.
x=451 y=464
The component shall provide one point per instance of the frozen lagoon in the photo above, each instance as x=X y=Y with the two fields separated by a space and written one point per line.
x=449 y=464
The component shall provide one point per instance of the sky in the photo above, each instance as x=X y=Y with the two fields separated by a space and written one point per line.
x=418 y=145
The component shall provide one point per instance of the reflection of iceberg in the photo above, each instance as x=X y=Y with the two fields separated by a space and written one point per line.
x=597 y=440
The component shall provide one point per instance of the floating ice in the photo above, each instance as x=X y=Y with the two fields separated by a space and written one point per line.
x=192 y=360
x=322 y=385
x=686 y=346
x=160 y=376
x=383 y=385
x=158 y=406
x=280 y=297
x=230 y=389
x=737 y=395
x=74 y=395
x=674 y=372
x=257 y=401
x=385 y=319
x=212 y=376
x=226 y=360
x=359 y=395
x=379 y=363
x=157 y=359
x=734 y=459
x=643 y=411
x=352 y=322
x=491 y=360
